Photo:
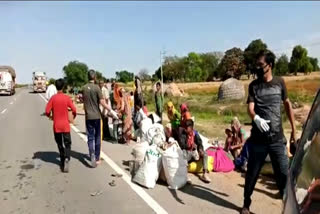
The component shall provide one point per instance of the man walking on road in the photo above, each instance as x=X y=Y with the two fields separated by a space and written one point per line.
x=59 y=105
x=92 y=97
x=264 y=106
x=51 y=90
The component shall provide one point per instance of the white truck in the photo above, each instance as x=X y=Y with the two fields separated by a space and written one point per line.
x=39 y=80
x=7 y=80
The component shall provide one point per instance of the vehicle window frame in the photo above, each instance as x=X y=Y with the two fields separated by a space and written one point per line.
x=311 y=126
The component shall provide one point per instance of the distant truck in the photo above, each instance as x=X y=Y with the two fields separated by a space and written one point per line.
x=7 y=80
x=39 y=80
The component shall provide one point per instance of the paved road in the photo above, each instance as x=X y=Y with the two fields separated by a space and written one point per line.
x=31 y=181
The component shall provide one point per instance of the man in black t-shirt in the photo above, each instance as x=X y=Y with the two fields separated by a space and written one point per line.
x=266 y=94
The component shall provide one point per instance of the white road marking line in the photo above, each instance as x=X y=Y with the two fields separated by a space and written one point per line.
x=3 y=111
x=11 y=103
x=43 y=98
x=145 y=196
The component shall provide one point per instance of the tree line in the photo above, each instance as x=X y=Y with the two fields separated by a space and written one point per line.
x=198 y=67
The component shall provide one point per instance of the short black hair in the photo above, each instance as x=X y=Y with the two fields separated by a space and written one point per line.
x=59 y=84
x=91 y=75
x=131 y=93
x=269 y=57
x=107 y=81
x=189 y=123
x=158 y=84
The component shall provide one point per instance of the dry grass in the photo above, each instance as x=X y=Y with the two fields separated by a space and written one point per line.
x=212 y=117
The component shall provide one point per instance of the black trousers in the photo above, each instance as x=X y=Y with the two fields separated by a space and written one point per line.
x=106 y=132
x=257 y=155
x=64 y=145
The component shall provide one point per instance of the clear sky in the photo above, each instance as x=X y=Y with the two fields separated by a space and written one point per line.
x=110 y=36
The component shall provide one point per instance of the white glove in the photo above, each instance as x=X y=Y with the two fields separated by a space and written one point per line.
x=114 y=114
x=262 y=123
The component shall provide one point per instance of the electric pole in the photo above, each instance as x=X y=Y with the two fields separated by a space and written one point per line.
x=162 y=53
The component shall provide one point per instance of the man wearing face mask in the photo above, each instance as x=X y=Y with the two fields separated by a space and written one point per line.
x=266 y=94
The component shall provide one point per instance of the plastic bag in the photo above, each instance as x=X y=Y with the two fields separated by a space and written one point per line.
x=175 y=167
x=148 y=173
x=145 y=126
x=138 y=153
x=156 y=135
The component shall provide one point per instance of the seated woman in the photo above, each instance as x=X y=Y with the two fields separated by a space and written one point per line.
x=185 y=115
x=173 y=115
x=235 y=138
x=191 y=144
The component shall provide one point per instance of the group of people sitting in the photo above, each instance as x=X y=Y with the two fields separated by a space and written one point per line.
x=181 y=129
x=131 y=110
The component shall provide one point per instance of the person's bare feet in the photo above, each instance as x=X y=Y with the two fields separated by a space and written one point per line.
x=205 y=178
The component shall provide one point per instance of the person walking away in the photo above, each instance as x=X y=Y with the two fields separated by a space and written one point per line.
x=105 y=118
x=191 y=145
x=266 y=94
x=173 y=115
x=51 y=90
x=159 y=100
x=58 y=105
x=92 y=97
x=185 y=115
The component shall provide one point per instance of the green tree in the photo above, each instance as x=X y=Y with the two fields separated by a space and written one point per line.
x=194 y=71
x=232 y=64
x=124 y=76
x=299 y=61
x=76 y=73
x=99 y=76
x=174 y=69
x=52 y=81
x=210 y=62
x=315 y=63
x=281 y=66
x=251 y=52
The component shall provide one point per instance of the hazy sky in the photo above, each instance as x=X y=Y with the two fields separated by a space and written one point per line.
x=110 y=36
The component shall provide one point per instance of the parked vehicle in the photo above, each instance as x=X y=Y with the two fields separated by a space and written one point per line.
x=7 y=80
x=39 y=82
x=303 y=187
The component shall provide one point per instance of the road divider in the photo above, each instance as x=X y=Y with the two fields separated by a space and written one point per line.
x=137 y=189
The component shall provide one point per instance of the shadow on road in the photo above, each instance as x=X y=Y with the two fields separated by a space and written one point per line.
x=271 y=195
x=268 y=182
x=54 y=157
x=207 y=194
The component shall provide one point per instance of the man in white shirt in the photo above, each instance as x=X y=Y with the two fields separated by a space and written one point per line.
x=51 y=90
x=106 y=97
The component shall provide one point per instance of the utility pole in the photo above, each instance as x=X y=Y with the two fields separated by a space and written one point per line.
x=162 y=53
